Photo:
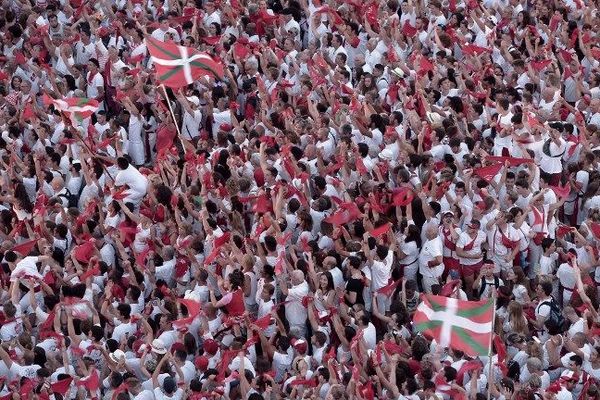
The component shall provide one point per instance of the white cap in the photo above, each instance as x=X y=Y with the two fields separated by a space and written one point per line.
x=158 y=346
x=117 y=355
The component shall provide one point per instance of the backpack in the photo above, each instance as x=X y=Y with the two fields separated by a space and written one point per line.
x=555 y=318
x=72 y=199
x=484 y=284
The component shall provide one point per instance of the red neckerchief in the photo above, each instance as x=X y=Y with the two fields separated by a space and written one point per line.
x=539 y=217
x=447 y=242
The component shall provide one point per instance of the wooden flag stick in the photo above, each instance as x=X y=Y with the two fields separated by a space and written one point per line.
x=174 y=119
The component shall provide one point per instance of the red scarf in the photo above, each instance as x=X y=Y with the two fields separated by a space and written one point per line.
x=469 y=246
x=447 y=240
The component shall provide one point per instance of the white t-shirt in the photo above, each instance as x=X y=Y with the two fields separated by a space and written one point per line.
x=159 y=394
x=294 y=310
x=381 y=271
x=431 y=249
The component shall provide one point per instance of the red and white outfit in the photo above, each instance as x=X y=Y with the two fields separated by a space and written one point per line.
x=566 y=277
x=538 y=220
x=471 y=246
x=450 y=257
x=502 y=243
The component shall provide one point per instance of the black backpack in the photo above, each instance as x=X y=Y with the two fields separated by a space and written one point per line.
x=484 y=284
x=555 y=318
x=72 y=198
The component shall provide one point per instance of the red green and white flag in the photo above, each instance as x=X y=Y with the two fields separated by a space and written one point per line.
x=75 y=108
x=178 y=66
x=461 y=325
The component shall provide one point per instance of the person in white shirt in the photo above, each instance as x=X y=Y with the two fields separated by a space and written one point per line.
x=164 y=29
x=295 y=312
x=124 y=327
x=381 y=268
x=192 y=117
x=431 y=265
x=129 y=176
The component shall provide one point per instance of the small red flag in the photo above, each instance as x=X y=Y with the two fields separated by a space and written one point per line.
x=380 y=230
x=561 y=191
x=264 y=322
x=408 y=29
x=84 y=252
x=488 y=173
x=540 y=65
x=25 y=248
x=61 y=386
x=388 y=289
x=402 y=196
x=193 y=307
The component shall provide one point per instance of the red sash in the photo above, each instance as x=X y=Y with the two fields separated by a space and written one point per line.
x=469 y=246
x=506 y=242
x=447 y=241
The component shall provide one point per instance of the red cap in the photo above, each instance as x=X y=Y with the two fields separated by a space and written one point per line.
x=102 y=32
x=210 y=346
x=201 y=363
x=178 y=346
x=300 y=345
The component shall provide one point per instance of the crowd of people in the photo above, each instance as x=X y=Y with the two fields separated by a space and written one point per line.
x=269 y=234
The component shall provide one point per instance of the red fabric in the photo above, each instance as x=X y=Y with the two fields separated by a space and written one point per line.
x=408 y=29
x=388 y=289
x=450 y=287
x=61 y=386
x=488 y=173
x=540 y=65
x=561 y=191
x=25 y=248
x=402 y=196
x=193 y=307
x=474 y=50
x=512 y=161
x=164 y=138
x=595 y=228
x=500 y=348
x=376 y=232
x=84 y=252
x=264 y=322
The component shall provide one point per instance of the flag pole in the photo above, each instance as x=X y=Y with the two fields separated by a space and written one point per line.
x=490 y=371
x=174 y=119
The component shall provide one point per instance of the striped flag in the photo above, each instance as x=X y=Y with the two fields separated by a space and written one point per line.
x=178 y=66
x=75 y=108
x=461 y=325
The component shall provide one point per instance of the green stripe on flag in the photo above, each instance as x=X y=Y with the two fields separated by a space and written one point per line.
x=468 y=340
x=435 y=306
x=170 y=73
x=205 y=67
x=427 y=325
x=165 y=52
x=476 y=311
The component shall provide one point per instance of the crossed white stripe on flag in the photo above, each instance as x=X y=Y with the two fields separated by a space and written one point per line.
x=450 y=319
x=64 y=106
x=184 y=62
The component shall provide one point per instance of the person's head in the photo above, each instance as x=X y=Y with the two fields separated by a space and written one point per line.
x=326 y=282
x=544 y=289
x=267 y=292
x=93 y=65
x=297 y=277
x=122 y=163
x=548 y=245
